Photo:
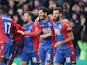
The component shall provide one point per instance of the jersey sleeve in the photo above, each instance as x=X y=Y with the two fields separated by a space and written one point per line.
x=13 y=24
x=36 y=30
x=16 y=27
x=66 y=27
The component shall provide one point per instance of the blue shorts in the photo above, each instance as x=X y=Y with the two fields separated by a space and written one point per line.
x=63 y=56
x=45 y=55
x=32 y=57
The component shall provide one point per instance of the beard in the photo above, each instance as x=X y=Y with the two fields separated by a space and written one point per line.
x=43 y=17
x=57 y=19
x=26 y=22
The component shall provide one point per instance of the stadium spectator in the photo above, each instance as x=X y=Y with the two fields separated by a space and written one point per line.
x=11 y=7
x=66 y=10
x=83 y=45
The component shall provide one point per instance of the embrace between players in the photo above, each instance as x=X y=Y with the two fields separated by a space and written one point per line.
x=50 y=36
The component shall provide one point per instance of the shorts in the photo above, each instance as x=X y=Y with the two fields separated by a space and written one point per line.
x=30 y=57
x=7 y=49
x=45 y=55
x=63 y=56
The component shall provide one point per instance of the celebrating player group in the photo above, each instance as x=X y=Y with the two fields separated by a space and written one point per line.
x=48 y=39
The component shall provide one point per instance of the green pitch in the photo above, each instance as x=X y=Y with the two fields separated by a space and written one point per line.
x=17 y=61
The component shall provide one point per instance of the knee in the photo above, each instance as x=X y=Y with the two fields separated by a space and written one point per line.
x=24 y=63
x=3 y=60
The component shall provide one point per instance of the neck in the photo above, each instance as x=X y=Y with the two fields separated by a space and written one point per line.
x=29 y=22
x=45 y=19
x=60 y=19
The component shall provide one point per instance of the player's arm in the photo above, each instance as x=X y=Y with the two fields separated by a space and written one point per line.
x=36 y=31
x=37 y=19
x=69 y=34
x=46 y=35
x=68 y=30
x=13 y=24
x=16 y=26
x=30 y=33
x=27 y=33
x=70 y=38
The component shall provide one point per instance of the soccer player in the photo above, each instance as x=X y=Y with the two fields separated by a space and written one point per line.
x=7 y=24
x=45 y=48
x=16 y=37
x=28 y=51
x=64 y=37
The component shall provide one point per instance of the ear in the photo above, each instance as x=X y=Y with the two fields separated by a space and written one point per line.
x=46 y=13
x=60 y=14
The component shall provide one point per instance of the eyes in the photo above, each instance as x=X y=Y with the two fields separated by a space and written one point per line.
x=40 y=12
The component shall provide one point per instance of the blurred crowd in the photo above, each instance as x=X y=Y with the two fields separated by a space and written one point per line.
x=74 y=10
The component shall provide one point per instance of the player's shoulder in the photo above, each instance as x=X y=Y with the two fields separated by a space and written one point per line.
x=6 y=18
x=36 y=23
x=65 y=21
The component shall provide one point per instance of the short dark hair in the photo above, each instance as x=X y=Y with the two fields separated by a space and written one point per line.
x=43 y=9
x=58 y=8
x=30 y=13
x=3 y=9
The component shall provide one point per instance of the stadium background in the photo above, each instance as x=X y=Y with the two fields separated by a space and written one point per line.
x=74 y=10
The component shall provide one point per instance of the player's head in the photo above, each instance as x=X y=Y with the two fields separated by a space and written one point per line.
x=27 y=16
x=3 y=9
x=42 y=13
x=57 y=13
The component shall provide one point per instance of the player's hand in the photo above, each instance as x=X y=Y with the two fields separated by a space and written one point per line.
x=21 y=32
x=1 y=41
x=42 y=36
x=57 y=44
x=83 y=20
x=37 y=19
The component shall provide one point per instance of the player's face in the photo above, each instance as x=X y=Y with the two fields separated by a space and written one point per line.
x=25 y=17
x=41 y=14
x=56 y=15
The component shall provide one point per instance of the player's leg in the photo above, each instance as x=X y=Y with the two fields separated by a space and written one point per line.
x=69 y=56
x=10 y=52
x=3 y=61
x=38 y=58
x=24 y=63
x=58 y=64
x=7 y=51
x=3 y=53
x=48 y=60
x=59 y=57
x=33 y=58
x=42 y=55
x=9 y=62
x=25 y=58
x=11 y=55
